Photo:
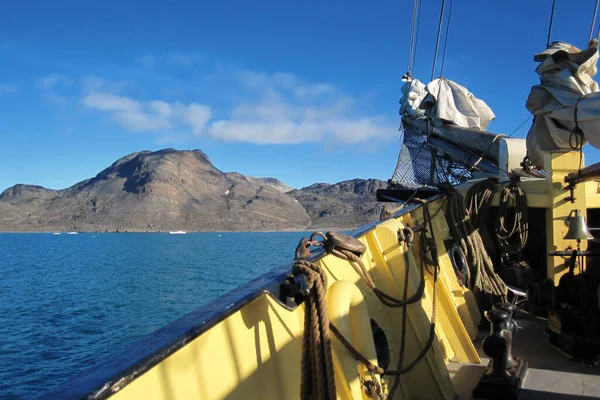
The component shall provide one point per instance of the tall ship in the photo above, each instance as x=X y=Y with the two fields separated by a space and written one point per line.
x=480 y=280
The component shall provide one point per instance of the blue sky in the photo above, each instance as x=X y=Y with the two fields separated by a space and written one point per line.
x=305 y=92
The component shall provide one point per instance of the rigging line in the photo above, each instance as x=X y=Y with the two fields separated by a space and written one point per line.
x=412 y=37
x=550 y=24
x=446 y=38
x=593 y=21
x=437 y=42
x=414 y=58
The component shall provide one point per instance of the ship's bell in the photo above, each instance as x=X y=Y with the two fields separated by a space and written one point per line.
x=577 y=227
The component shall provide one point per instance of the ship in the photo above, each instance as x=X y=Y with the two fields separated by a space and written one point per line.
x=480 y=280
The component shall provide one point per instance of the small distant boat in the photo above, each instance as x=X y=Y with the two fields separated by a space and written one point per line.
x=177 y=232
x=56 y=233
x=72 y=233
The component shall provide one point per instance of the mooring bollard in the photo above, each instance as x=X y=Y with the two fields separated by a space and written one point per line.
x=504 y=374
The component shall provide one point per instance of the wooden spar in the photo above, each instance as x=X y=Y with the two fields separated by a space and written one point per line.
x=480 y=142
x=463 y=156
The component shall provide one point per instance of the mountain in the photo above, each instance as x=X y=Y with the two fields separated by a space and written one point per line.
x=172 y=190
x=346 y=204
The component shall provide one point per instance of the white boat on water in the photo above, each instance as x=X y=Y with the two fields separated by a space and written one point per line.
x=72 y=233
x=56 y=233
x=177 y=232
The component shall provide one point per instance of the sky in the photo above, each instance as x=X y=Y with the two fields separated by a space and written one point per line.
x=302 y=91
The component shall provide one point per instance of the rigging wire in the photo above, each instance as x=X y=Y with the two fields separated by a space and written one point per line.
x=446 y=38
x=550 y=24
x=437 y=42
x=412 y=39
x=593 y=21
x=414 y=58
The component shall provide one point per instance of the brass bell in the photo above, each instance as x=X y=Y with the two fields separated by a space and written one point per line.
x=577 y=227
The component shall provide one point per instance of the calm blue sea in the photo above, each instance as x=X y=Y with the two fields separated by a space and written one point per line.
x=68 y=301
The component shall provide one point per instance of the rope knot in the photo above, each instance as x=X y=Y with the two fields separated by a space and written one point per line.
x=406 y=235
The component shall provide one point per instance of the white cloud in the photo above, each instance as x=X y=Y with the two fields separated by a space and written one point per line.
x=291 y=111
x=136 y=121
x=6 y=88
x=197 y=116
x=277 y=108
x=151 y=116
x=110 y=102
x=160 y=107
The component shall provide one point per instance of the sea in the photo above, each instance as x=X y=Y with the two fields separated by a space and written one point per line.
x=69 y=301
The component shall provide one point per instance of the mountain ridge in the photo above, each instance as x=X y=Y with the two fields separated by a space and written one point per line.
x=181 y=189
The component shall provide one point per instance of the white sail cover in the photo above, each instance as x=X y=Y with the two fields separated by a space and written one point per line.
x=566 y=87
x=446 y=102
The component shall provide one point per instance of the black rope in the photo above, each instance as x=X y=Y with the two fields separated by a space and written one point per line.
x=593 y=21
x=446 y=38
x=576 y=138
x=550 y=25
x=437 y=42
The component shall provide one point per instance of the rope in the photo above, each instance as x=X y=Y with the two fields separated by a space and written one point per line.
x=519 y=230
x=414 y=58
x=529 y=315
x=576 y=138
x=481 y=277
x=593 y=21
x=437 y=42
x=412 y=38
x=317 y=376
x=446 y=38
x=362 y=272
x=479 y=199
x=428 y=244
x=550 y=24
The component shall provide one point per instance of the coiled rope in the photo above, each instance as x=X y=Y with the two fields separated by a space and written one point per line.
x=512 y=237
x=317 y=376
x=481 y=277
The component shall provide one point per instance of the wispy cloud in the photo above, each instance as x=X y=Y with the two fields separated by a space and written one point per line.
x=290 y=111
x=50 y=82
x=50 y=87
x=252 y=106
x=6 y=88
x=151 y=116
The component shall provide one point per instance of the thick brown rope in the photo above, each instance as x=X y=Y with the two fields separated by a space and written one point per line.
x=385 y=298
x=317 y=376
x=481 y=276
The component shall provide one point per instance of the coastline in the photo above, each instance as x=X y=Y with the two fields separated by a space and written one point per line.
x=324 y=229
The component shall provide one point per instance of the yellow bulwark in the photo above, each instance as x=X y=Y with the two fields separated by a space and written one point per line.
x=255 y=352
x=249 y=347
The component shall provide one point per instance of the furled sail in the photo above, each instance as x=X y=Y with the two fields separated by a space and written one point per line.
x=441 y=151
x=445 y=102
x=567 y=97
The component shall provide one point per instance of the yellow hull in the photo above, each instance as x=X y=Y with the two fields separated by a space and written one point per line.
x=255 y=352
x=248 y=343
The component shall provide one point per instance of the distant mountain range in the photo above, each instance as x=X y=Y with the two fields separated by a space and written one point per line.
x=182 y=190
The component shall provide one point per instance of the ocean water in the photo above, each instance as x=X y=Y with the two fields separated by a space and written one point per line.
x=68 y=301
